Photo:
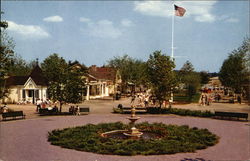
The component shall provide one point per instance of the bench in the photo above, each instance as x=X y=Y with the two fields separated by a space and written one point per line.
x=13 y=115
x=231 y=115
x=137 y=109
x=84 y=110
x=46 y=111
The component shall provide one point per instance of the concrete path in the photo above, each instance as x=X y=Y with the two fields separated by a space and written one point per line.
x=26 y=140
x=106 y=107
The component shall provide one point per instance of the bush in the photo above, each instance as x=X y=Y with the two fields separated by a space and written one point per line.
x=175 y=139
x=182 y=112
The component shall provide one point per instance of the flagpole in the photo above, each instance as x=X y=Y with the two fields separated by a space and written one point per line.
x=172 y=52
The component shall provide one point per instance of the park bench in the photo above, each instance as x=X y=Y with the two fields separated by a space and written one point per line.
x=137 y=109
x=231 y=115
x=84 y=110
x=13 y=115
x=46 y=111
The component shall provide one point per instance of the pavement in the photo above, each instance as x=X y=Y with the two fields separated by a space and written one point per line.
x=26 y=140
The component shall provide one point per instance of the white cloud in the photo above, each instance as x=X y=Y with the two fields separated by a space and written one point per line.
x=53 y=19
x=228 y=18
x=103 y=29
x=27 y=31
x=126 y=23
x=200 y=10
x=154 y=8
x=84 y=19
x=233 y=20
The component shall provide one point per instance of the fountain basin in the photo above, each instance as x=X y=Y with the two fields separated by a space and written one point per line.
x=125 y=134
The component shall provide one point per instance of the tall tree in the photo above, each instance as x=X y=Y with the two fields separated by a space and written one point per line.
x=204 y=77
x=235 y=71
x=19 y=67
x=65 y=80
x=190 y=78
x=75 y=84
x=131 y=70
x=161 y=75
x=6 y=53
x=54 y=68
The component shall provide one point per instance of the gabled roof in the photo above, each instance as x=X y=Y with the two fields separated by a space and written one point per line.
x=36 y=75
x=105 y=73
x=16 y=80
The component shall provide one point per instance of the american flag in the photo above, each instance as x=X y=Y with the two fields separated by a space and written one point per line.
x=179 y=11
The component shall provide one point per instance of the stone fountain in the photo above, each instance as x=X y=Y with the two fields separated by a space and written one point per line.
x=133 y=133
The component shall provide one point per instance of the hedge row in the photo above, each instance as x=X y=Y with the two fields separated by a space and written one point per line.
x=177 y=111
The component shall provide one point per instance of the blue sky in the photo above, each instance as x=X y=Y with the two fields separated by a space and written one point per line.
x=93 y=32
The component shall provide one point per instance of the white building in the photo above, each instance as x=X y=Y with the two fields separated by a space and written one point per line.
x=27 y=88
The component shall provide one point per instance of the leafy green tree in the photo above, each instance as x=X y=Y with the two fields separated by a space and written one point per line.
x=54 y=68
x=19 y=67
x=6 y=53
x=160 y=75
x=235 y=71
x=190 y=78
x=204 y=76
x=75 y=84
x=65 y=80
x=131 y=70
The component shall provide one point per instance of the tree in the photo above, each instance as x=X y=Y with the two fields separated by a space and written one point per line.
x=160 y=75
x=65 y=81
x=19 y=67
x=131 y=70
x=6 y=53
x=75 y=84
x=190 y=78
x=204 y=76
x=234 y=71
x=54 y=68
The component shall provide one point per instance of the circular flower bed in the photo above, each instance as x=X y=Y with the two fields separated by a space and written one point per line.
x=174 y=139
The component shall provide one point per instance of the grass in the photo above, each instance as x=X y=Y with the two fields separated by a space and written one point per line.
x=176 y=139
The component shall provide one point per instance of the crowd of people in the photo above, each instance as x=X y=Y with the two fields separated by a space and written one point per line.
x=74 y=110
x=42 y=104
x=145 y=100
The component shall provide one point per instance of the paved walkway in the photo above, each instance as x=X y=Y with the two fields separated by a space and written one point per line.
x=26 y=140
x=106 y=107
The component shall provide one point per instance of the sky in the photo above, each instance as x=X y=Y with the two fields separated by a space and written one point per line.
x=94 y=32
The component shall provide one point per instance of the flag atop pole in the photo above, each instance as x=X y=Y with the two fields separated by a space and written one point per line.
x=179 y=11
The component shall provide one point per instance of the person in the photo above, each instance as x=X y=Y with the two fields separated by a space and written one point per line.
x=239 y=99
x=146 y=100
x=71 y=110
x=5 y=108
x=132 y=99
x=78 y=110
x=38 y=104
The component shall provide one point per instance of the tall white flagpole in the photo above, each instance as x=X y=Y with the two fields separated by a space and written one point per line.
x=173 y=14
x=172 y=53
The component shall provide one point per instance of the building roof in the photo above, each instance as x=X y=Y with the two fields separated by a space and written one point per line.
x=36 y=75
x=105 y=73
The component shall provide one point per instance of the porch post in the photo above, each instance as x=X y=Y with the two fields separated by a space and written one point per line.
x=87 y=94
